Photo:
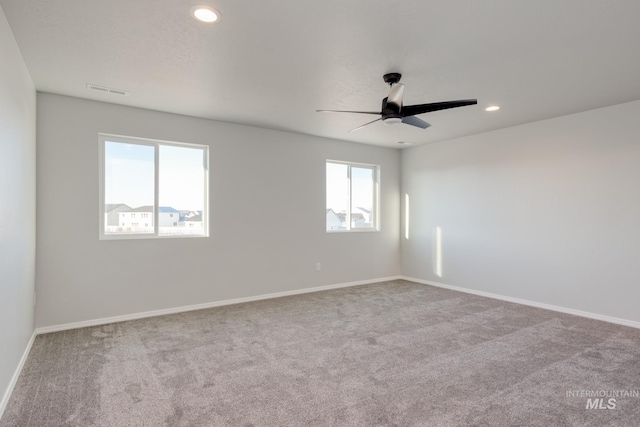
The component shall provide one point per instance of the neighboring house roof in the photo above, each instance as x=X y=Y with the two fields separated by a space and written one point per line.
x=110 y=207
x=143 y=209
x=343 y=216
x=149 y=208
x=196 y=218
x=167 y=209
x=189 y=214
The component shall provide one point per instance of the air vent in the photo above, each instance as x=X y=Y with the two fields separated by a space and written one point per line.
x=107 y=90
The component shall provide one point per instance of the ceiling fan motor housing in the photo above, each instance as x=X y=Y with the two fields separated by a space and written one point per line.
x=390 y=113
x=391 y=110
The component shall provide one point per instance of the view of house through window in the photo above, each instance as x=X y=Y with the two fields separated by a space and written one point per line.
x=352 y=196
x=144 y=180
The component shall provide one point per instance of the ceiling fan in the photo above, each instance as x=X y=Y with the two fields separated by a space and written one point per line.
x=394 y=112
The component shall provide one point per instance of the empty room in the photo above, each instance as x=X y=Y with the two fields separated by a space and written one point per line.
x=330 y=213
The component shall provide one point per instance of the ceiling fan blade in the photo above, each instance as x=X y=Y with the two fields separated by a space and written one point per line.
x=360 y=127
x=343 y=111
x=412 y=110
x=395 y=95
x=414 y=121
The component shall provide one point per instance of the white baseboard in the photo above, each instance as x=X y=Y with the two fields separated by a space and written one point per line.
x=560 y=309
x=14 y=379
x=124 y=318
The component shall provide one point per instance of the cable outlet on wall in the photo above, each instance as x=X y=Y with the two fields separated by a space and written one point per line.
x=318 y=266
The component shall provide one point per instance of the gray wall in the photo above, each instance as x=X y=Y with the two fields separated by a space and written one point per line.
x=17 y=206
x=267 y=199
x=547 y=212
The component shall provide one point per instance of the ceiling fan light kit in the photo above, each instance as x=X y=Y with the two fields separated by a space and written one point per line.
x=392 y=120
x=393 y=112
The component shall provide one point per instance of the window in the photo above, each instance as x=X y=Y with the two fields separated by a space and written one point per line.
x=164 y=182
x=352 y=196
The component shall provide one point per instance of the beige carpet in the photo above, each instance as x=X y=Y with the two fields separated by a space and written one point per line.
x=395 y=353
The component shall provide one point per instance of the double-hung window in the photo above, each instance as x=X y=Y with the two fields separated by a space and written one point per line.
x=151 y=188
x=352 y=196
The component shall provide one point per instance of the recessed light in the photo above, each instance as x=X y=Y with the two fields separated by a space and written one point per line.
x=205 y=14
x=492 y=108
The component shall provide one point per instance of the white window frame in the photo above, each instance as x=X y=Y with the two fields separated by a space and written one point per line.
x=376 y=197
x=156 y=143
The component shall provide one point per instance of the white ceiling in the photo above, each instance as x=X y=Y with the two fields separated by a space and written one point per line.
x=273 y=63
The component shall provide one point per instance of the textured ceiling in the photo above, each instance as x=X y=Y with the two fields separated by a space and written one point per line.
x=273 y=63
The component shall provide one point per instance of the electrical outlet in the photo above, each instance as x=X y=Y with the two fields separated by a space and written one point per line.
x=318 y=266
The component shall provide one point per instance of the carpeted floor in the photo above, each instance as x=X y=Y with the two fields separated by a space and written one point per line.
x=394 y=353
